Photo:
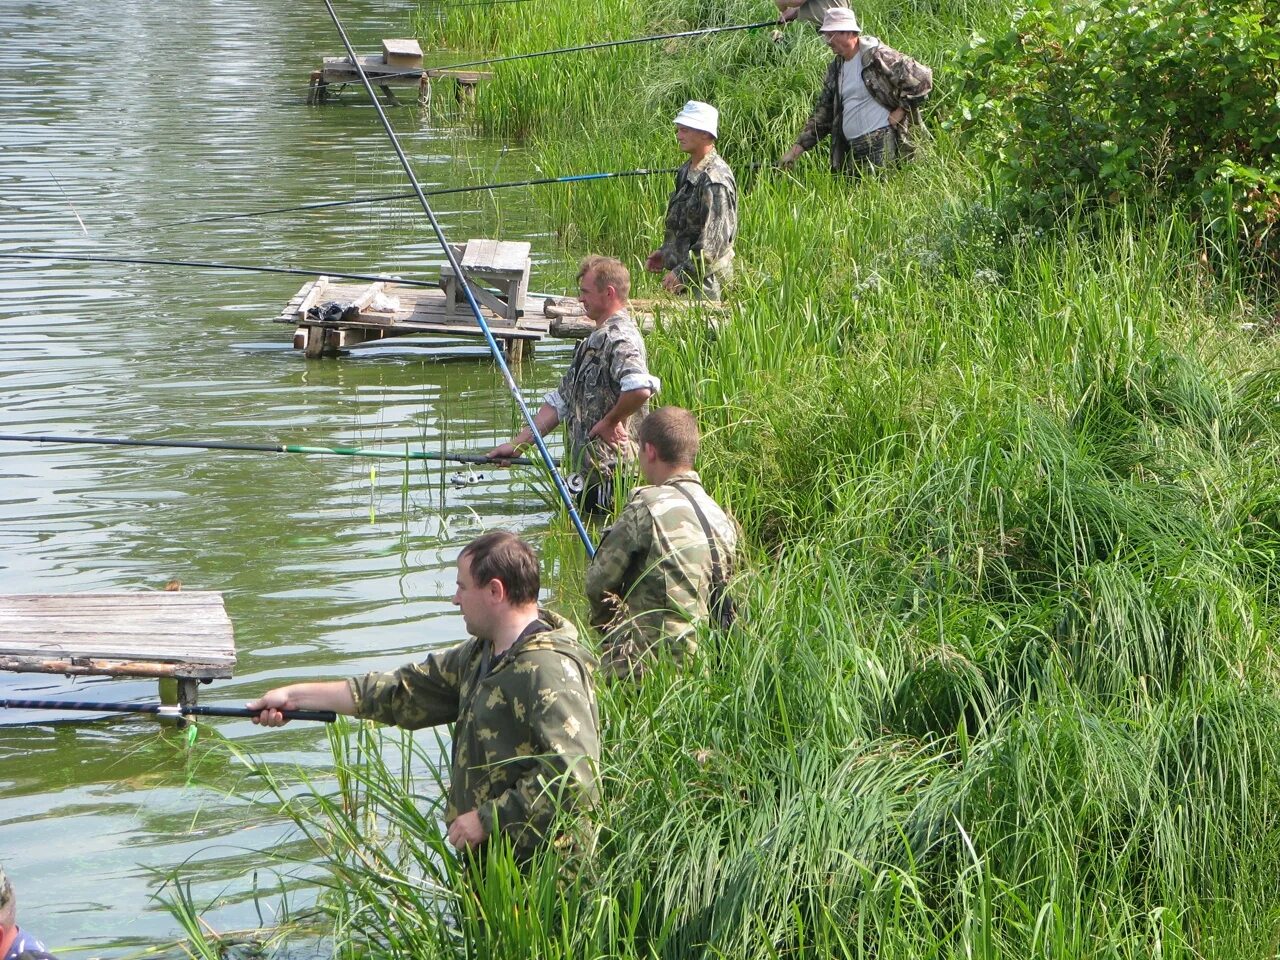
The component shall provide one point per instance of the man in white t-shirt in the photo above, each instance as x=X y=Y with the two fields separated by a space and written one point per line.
x=869 y=100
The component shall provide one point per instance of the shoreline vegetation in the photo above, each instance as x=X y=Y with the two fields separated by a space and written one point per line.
x=1004 y=685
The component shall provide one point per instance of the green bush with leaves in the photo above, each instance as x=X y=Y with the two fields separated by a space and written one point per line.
x=1170 y=100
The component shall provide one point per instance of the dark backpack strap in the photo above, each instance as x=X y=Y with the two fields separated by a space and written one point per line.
x=722 y=607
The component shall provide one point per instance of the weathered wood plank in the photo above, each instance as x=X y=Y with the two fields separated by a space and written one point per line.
x=165 y=631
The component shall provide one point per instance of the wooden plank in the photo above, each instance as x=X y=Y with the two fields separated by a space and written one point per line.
x=310 y=297
x=114 y=668
x=341 y=70
x=402 y=53
x=496 y=256
x=176 y=628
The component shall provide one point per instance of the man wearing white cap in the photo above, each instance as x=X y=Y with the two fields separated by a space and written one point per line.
x=870 y=98
x=702 y=215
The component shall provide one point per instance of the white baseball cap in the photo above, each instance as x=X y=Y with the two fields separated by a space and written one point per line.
x=839 y=20
x=697 y=115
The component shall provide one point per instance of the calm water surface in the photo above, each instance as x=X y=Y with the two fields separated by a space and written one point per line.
x=129 y=115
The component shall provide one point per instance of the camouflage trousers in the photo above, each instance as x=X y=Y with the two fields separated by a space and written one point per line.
x=879 y=148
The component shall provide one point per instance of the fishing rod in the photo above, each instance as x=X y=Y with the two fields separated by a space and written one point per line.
x=386 y=197
x=210 y=265
x=498 y=358
x=436 y=71
x=175 y=711
x=271 y=448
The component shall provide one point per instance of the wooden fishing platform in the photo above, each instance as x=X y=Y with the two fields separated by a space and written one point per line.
x=499 y=278
x=399 y=65
x=183 y=636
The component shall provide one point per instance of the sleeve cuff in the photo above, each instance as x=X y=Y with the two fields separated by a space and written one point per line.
x=639 y=381
x=562 y=408
x=488 y=816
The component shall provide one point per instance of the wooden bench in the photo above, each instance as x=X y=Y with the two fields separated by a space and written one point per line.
x=182 y=636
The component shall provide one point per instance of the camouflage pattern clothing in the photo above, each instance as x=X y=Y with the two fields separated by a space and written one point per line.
x=651 y=579
x=526 y=729
x=702 y=221
x=893 y=79
x=605 y=365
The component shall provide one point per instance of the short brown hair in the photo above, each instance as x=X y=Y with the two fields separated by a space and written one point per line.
x=673 y=431
x=502 y=555
x=608 y=272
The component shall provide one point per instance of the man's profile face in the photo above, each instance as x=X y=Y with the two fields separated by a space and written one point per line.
x=689 y=139
x=475 y=601
x=595 y=302
x=843 y=43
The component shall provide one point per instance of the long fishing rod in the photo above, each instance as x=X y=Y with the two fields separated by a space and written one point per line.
x=270 y=448
x=607 y=43
x=163 y=709
x=512 y=386
x=210 y=265
x=438 y=70
x=386 y=197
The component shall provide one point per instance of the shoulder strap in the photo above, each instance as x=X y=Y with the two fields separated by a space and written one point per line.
x=717 y=572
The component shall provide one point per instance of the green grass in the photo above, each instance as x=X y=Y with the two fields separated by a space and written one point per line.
x=1005 y=682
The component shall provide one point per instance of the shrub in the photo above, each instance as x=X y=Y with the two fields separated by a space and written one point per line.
x=1171 y=100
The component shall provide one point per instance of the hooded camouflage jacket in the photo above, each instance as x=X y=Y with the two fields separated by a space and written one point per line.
x=702 y=220
x=650 y=580
x=605 y=365
x=526 y=729
x=892 y=78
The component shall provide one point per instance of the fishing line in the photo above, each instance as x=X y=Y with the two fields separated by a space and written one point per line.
x=312 y=272
x=176 y=711
x=512 y=386
x=387 y=197
x=269 y=448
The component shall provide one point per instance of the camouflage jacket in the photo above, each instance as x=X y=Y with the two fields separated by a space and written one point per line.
x=892 y=78
x=605 y=365
x=702 y=220
x=650 y=580
x=526 y=729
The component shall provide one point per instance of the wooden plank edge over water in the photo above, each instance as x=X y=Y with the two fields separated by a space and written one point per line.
x=185 y=636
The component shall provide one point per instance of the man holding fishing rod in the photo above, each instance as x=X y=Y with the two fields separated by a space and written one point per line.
x=14 y=944
x=869 y=101
x=702 y=214
x=605 y=391
x=519 y=692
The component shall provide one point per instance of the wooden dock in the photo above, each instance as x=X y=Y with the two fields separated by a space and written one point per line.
x=420 y=311
x=340 y=71
x=184 y=636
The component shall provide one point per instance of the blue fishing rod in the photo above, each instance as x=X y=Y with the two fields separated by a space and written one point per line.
x=498 y=358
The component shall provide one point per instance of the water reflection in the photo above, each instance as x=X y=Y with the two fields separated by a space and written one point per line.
x=329 y=566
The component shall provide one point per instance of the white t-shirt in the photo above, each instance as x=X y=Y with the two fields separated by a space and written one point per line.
x=862 y=112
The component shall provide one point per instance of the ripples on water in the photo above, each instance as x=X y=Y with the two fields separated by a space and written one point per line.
x=129 y=115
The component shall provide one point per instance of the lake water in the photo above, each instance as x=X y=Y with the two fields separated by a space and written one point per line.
x=126 y=116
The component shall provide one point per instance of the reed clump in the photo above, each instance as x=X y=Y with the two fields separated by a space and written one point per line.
x=1004 y=685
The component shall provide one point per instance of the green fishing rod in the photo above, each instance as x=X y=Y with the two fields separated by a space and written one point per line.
x=211 y=265
x=387 y=197
x=514 y=388
x=271 y=448
x=175 y=711
x=705 y=31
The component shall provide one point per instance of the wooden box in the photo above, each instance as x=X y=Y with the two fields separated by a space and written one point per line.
x=402 y=53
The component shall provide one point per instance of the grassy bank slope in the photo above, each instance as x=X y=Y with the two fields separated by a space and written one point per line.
x=1005 y=683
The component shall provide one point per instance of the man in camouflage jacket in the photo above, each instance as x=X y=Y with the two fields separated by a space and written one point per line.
x=604 y=392
x=891 y=83
x=702 y=214
x=519 y=694
x=654 y=577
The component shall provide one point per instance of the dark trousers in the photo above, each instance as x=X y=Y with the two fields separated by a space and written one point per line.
x=879 y=148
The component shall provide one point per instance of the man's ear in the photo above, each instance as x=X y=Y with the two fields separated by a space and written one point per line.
x=497 y=589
